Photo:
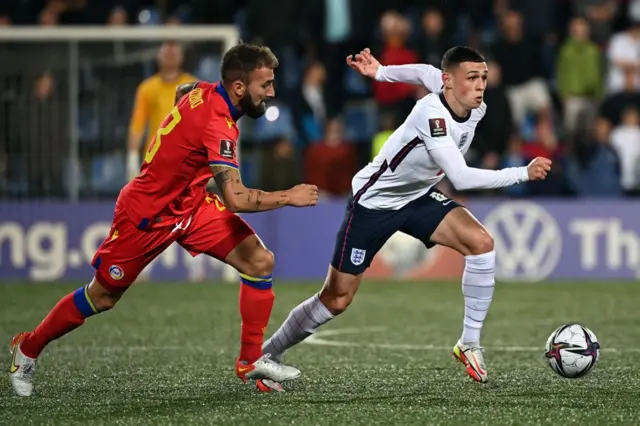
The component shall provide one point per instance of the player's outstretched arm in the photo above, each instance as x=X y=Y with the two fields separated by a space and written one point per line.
x=426 y=75
x=240 y=199
x=463 y=177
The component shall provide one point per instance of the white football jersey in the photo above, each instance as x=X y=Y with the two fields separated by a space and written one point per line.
x=404 y=170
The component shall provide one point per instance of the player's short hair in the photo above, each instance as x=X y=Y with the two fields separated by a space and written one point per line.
x=459 y=54
x=243 y=58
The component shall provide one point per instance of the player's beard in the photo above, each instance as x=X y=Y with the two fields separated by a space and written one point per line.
x=251 y=109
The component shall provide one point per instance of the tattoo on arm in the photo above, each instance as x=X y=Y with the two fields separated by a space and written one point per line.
x=221 y=177
x=233 y=191
x=254 y=198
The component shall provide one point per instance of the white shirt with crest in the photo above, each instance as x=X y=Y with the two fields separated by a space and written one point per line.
x=430 y=144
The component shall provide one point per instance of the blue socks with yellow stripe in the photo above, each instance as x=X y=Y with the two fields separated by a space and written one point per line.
x=83 y=302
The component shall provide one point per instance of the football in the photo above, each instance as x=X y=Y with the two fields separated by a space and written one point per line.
x=572 y=351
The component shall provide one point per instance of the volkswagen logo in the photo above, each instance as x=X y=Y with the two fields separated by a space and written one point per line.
x=527 y=239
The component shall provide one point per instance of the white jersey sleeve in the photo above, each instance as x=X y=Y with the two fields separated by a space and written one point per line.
x=442 y=148
x=426 y=75
x=463 y=177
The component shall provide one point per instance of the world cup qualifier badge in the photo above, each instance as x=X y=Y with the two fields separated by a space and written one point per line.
x=116 y=272
x=227 y=149
x=438 y=127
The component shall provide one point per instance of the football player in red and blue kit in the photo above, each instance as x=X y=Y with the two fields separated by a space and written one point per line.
x=168 y=202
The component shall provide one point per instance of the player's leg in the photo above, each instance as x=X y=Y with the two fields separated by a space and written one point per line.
x=362 y=234
x=68 y=314
x=118 y=261
x=439 y=220
x=225 y=236
x=304 y=320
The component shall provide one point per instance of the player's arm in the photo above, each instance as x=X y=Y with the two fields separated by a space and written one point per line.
x=240 y=199
x=448 y=157
x=463 y=177
x=426 y=75
x=139 y=120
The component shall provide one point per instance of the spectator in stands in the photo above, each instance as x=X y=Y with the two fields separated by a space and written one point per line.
x=545 y=144
x=331 y=163
x=615 y=104
x=579 y=73
x=154 y=100
x=118 y=17
x=310 y=108
x=48 y=17
x=600 y=14
x=521 y=64
x=43 y=137
x=497 y=127
x=395 y=97
x=5 y=20
x=539 y=18
x=433 y=42
x=540 y=25
x=335 y=29
x=281 y=167
x=624 y=55
x=625 y=138
x=595 y=168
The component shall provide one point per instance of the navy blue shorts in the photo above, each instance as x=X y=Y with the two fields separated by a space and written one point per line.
x=365 y=231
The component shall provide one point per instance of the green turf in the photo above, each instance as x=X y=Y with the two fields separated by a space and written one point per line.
x=165 y=356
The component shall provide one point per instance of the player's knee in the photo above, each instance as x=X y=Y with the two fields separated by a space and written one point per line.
x=102 y=299
x=262 y=263
x=336 y=303
x=337 y=294
x=480 y=242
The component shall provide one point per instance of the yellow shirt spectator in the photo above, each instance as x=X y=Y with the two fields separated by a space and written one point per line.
x=154 y=100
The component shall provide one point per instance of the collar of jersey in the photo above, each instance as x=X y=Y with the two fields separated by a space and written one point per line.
x=453 y=114
x=233 y=110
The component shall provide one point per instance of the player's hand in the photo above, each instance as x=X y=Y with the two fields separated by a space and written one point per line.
x=538 y=168
x=303 y=195
x=365 y=63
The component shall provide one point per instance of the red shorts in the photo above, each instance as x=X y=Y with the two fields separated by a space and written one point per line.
x=211 y=230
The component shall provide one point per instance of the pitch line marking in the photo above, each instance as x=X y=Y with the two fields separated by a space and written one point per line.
x=320 y=339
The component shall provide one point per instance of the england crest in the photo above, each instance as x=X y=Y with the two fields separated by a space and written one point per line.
x=463 y=140
x=357 y=256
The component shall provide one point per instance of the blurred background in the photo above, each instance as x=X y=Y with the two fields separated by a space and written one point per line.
x=564 y=83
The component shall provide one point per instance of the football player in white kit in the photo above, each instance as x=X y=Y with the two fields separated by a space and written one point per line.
x=395 y=192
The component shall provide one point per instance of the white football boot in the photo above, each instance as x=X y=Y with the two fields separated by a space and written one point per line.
x=266 y=368
x=473 y=359
x=22 y=369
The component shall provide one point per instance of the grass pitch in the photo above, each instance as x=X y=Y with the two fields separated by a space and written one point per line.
x=165 y=356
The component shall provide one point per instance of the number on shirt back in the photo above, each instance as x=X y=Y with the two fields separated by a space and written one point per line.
x=162 y=131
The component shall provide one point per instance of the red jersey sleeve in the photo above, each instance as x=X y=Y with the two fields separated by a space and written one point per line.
x=220 y=139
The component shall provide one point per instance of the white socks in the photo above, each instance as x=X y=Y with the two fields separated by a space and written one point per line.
x=301 y=323
x=477 y=287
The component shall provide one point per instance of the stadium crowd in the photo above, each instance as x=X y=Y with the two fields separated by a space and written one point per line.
x=564 y=83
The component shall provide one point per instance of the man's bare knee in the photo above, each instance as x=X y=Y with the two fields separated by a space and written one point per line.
x=480 y=242
x=338 y=291
x=102 y=299
x=261 y=263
